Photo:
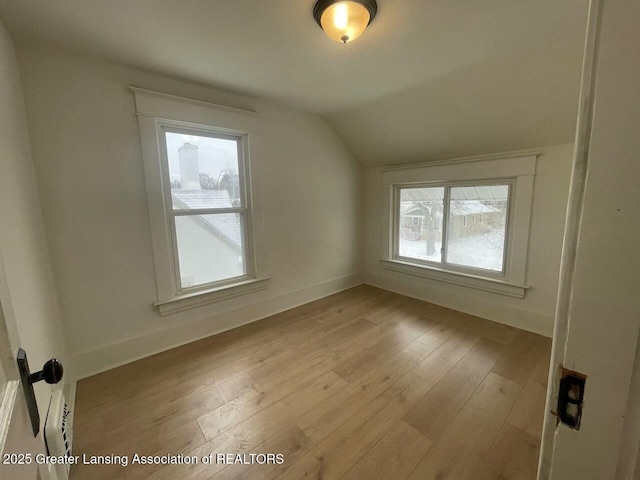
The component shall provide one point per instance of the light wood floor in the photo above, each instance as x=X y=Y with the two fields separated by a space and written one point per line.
x=365 y=384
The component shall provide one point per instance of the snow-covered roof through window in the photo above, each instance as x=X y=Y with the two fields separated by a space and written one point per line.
x=227 y=226
x=481 y=192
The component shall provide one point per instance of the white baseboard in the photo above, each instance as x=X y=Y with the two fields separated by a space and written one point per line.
x=500 y=312
x=105 y=358
x=89 y=363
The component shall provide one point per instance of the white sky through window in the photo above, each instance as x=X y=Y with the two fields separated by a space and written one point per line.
x=214 y=154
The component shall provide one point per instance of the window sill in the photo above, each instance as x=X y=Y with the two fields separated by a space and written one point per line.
x=486 y=284
x=207 y=297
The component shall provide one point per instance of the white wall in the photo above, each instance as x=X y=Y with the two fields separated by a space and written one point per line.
x=88 y=161
x=23 y=246
x=534 y=312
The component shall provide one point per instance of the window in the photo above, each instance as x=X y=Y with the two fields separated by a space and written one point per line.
x=199 y=194
x=444 y=231
x=206 y=189
x=464 y=222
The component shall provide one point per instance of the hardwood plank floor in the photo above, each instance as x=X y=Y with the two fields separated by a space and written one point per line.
x=365 y=384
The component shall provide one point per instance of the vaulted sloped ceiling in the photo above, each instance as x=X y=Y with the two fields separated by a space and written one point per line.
x=428 y=79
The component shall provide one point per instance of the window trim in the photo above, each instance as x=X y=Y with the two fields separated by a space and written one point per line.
x=486 y=284
x=519 y=168
x=154 y=109
x=201 y=298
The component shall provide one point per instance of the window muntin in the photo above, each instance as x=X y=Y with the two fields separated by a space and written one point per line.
x=473 y=221
x=207 y=208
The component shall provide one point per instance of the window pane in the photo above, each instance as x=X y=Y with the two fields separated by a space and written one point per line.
x=420 y=229
x=203 y=171
x=477 y=226
x=210 y=248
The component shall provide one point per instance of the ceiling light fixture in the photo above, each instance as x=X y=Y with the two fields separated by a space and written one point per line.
x=344 y=20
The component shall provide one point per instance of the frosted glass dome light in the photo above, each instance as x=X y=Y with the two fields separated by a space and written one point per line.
x=344 y=20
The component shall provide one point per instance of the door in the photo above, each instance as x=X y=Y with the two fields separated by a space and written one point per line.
x=18 y=447
x=598 y=312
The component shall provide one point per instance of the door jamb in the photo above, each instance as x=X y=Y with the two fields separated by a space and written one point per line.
x=573 y=224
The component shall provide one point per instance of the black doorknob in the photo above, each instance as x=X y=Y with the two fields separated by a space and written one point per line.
x=51 y=372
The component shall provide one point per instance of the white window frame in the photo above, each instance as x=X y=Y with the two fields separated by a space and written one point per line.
x=443 y=264
x=164 y=126
x=518 y=170
x=158 y=113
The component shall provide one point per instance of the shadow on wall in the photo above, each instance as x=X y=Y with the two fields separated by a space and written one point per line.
x=518 y=101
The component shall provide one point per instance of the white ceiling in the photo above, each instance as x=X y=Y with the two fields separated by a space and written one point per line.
x=429 y=78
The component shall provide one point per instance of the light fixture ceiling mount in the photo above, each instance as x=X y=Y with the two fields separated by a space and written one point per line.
x=344 y=20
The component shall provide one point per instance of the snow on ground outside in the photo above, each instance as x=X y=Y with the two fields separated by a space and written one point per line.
x=480 y=251
x=418 y=249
